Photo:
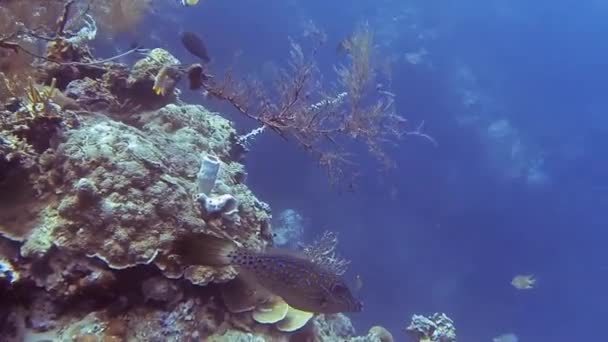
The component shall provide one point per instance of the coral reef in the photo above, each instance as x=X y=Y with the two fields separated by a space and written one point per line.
x=127 y=191
x=98 y=177
x=435 y=328
x=103 y=167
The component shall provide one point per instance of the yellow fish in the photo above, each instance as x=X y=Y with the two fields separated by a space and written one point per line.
x=165 y=80
x=524 y=281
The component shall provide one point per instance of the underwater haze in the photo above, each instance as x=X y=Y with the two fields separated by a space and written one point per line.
x=513 y=93
x=501 y=170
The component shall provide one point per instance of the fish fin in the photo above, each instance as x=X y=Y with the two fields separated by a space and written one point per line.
x=249 y=279
x=241 y=295
x=534 y=281
x=204 y=249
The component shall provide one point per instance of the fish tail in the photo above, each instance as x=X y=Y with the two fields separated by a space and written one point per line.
x=204 y=249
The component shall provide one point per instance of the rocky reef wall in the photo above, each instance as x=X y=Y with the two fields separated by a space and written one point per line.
x=96 y=183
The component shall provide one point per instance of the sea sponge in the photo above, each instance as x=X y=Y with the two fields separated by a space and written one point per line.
x=222 y=205
x=207 y=173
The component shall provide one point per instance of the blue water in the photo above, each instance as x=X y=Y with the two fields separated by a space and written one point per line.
x=451 y=225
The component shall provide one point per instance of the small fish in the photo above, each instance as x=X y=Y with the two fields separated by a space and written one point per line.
x=188 y=3
x=301 y=283
x=195 y=46
x=524 y=281
x=506 y=338
x=345 y=46
x=358 y=283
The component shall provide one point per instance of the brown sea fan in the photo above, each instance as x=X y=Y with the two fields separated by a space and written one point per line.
x=117 y=16
x=16 y=66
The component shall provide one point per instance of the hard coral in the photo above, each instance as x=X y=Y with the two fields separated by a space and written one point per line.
x=435 y=328
x=127 y=192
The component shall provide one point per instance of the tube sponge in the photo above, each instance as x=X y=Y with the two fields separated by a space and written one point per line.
x=207 y=174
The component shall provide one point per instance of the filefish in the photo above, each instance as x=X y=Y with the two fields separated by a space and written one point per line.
x=165 y=80
x=302 y=284
x=195 y=46
x=524 y=281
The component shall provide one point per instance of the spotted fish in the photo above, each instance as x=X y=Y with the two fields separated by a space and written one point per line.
x=302 y=284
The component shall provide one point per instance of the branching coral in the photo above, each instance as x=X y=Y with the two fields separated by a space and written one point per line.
x=377 y=122
x=435 y=328
x=323 y=252
x=300 y=107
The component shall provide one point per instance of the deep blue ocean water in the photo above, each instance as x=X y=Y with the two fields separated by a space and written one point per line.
x=514 y=92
